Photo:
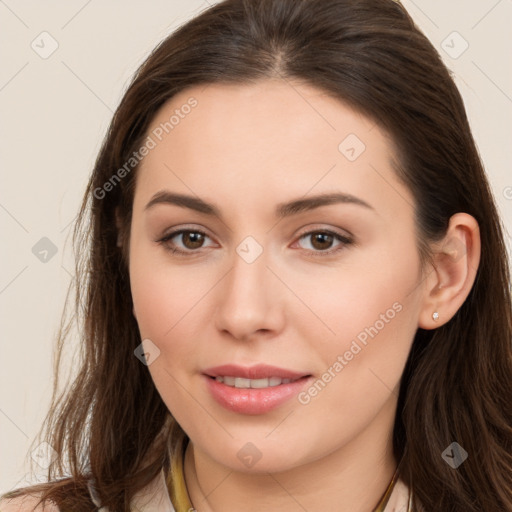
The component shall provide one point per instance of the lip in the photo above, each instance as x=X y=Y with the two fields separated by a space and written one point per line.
x=253 y=401
x=259 y=371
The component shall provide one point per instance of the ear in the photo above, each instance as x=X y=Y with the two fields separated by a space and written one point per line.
x=450 y=279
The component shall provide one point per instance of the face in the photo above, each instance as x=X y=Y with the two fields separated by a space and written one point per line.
x=250 y=269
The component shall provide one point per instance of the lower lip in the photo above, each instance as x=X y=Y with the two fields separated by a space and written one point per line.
x=252 y=400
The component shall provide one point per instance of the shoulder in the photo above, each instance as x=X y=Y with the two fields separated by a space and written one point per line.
x=26 y=504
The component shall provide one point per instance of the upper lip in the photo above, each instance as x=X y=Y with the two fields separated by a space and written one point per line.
x=258 y=371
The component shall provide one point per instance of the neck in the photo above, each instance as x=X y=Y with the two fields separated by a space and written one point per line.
x=353 y=478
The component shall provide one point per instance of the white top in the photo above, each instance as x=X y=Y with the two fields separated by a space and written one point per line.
x=155 y=498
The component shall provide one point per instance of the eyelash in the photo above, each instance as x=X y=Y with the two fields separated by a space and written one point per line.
x=345 y=241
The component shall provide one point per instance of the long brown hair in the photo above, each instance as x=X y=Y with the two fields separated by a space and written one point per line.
x=112 y=425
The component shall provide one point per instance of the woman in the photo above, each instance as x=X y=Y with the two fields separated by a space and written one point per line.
x=289 y=199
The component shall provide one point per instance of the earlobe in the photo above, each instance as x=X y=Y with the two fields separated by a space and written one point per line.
x=450 y=279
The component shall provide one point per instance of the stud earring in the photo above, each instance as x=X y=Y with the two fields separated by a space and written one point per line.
x=435 y=315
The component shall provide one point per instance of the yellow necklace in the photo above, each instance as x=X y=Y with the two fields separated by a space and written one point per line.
x=181 y=500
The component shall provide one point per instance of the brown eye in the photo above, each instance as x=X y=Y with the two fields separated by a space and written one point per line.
x=184 y=241
x=192 y=239
x=322 y=242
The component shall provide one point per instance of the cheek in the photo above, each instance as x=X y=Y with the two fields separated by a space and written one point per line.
x=164 y=302
x=171 y=303
x=368 y=291
x=373 y=315
x=166 y=308
x=164 y=294
x=371 y=311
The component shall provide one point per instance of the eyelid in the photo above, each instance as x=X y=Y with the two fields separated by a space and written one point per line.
x=323 y=229
x=185 y=227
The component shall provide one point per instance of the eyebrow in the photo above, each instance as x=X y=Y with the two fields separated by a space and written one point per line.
x=282 y=209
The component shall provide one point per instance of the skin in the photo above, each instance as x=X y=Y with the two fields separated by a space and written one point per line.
x=247 y=148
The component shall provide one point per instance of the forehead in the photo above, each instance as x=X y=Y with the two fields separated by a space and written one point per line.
x=263 y=139
x=260 y=117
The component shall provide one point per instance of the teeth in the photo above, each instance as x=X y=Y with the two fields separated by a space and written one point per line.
x=240 y=382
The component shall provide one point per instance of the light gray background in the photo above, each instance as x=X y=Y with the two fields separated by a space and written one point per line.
x=54 y=114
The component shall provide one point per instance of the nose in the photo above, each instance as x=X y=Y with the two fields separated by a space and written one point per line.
x=250 y=300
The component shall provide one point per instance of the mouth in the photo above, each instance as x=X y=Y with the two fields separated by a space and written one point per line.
x=242 y=383
x=255 y=390
x=244 y=376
